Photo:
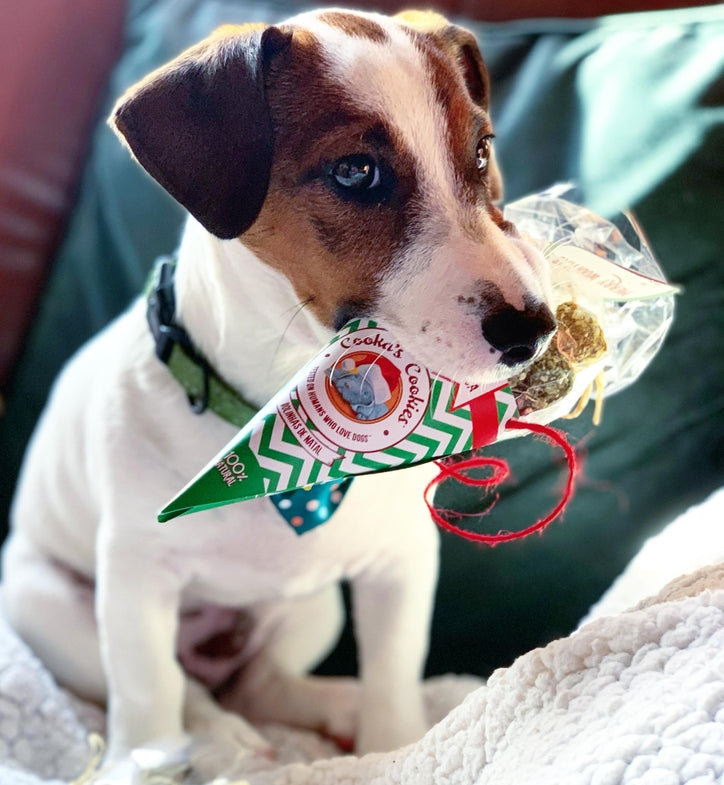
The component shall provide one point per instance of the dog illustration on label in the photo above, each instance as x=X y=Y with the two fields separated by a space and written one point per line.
x=366 y=383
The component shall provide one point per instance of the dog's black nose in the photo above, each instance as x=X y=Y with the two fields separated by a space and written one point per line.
x=517 y=335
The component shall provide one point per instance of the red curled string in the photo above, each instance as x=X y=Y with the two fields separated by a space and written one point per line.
x=500 y=473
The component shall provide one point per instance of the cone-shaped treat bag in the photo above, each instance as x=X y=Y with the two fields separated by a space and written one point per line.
x=364 y=404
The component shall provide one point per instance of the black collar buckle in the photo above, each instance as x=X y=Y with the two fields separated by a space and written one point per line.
x=160 y=313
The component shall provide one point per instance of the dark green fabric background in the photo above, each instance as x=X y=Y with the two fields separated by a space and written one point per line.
x=632 y=108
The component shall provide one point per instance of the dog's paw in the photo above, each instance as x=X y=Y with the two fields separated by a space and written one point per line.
x=388 y=725
x=324 y=704
x=165 y=760
x=337 y=702
x=388 y=736
x=226 y=743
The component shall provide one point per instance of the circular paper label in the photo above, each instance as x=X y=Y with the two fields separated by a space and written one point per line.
x=365 y=393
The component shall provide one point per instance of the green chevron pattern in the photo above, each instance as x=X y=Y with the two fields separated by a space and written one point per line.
x=363 y=463
x=285 y=447
x=507 y=406
x=429 y=445
x=279 y=457
x=456 y=426
x=286 y=464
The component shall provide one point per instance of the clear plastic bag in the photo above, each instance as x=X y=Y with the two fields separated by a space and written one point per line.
x=634 y=328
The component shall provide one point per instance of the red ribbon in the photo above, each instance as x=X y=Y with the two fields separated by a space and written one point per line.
x=456 y=470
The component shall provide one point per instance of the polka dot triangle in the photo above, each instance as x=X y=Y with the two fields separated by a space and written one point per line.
x=306 y=508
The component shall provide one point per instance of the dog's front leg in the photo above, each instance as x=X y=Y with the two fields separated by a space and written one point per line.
x=392 y=607
x=137 y=603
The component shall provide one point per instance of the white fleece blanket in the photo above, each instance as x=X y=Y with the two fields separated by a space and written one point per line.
x=634 y=696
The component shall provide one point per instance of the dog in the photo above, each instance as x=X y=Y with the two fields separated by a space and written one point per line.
x=335 y=166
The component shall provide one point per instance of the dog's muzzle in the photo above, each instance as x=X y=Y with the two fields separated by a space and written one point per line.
x=518 y=335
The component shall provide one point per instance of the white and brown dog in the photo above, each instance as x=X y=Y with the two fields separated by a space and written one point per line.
x=334 y=166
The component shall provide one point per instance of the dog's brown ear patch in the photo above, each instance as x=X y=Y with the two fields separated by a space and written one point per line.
x=201 y=127
x=459 y=44
x=471 y=64
x=355 y=25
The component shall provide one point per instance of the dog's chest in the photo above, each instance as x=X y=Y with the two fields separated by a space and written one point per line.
x=248 y=553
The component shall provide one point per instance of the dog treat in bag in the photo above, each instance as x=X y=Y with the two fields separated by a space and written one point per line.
x=579 y=342
x=614 y=306
x=364 y=404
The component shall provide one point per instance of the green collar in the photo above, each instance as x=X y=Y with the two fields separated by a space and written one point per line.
x=204 y=387
x=302 y=508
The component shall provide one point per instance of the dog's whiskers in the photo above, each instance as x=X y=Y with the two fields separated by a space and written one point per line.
x=297 y=309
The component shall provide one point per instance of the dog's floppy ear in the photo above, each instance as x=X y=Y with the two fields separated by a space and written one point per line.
x=201 y=126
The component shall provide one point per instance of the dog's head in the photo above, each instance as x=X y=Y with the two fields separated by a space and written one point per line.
x=353 y=152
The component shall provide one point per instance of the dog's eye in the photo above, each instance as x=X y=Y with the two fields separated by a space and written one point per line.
x=482 y=152
x=356 y=172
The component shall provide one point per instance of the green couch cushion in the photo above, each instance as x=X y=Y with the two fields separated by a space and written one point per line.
x=632 y=109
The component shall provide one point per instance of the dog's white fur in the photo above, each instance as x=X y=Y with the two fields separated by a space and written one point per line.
x=117 y=441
